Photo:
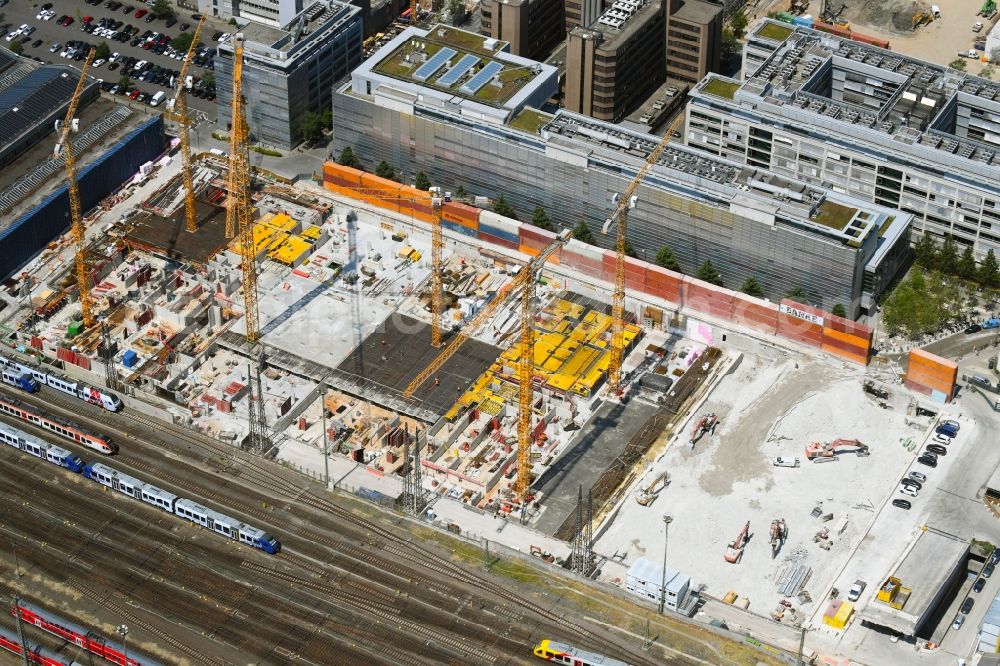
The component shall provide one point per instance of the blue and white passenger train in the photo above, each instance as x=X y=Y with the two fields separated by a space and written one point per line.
x=219 y=523
x=30 y=379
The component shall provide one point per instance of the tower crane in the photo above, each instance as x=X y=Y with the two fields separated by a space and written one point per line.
x=239 y=219
x=522 y=280
x=65 y=147
x=180 y=115
x=623 y=203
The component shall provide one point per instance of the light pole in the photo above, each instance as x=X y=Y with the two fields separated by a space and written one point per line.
x=123 y=631
x=667 y=519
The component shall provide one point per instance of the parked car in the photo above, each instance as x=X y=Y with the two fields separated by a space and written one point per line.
x=988 y=570
x=55 y=47
x=951 y=423
x=937 y=449
x=908 y=490
x=911 y=483
x=901 y=503
x=855 y=592
x=995 y=556
x=35 y=44
x=942 y=439
x=946 y=430
x=959 y=621
x=980 y=584
x=139 y=13
x=967 y=605
x=975 y=328
x=927 y=461
x=918 y=476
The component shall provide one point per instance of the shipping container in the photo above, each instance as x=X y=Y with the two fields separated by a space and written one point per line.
x=452 y=226
x=460 y=213
x=496 y=240
x=758 y=315
x=707 y=298
x=500 y=226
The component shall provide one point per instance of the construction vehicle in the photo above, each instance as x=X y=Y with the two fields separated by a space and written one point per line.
x=704 y=424
x=830 y=15
x=827 y=451
x=921 y=18
x=894 y=593
x=871 y=389
x=734 y=551
x=855 y=592
x=542 y=554
x=779 y=532
x=649 y=492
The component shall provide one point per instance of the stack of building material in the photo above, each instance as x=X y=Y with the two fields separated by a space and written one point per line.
x=931 y=375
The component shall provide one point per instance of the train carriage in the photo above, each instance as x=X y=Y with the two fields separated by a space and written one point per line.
x=54 y=454
x=67 y=429
x=37 y=654
x=12 y=370
x=563 y=653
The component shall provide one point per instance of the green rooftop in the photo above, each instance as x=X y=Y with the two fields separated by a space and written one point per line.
x=405 y=60
x=834 y=215
x=720 y=88
x=775 y=31
x=530 y=120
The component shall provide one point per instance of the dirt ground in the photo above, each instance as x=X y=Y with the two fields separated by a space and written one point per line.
x=769 y=405
x=939 y=42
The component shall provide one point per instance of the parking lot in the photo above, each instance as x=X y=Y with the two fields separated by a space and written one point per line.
x=48 y=33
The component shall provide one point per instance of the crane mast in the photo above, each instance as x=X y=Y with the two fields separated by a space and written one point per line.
x=437 y=296
x=181 y=116
x=522 y=280
x=525 y=394
x=86 y=304
x=624 y=202
x=239 y=214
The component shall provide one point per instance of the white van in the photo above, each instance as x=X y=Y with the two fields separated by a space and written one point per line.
x=936 y=11
x=157 y=98
x=785 y=461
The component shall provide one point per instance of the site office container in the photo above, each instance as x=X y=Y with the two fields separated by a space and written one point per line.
x=756 y=314
x=500 y=227
x=707 y=298
x=461 y=214
x=661 y=283
x=417 y=204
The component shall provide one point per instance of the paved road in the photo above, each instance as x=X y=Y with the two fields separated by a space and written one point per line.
x=19 y=12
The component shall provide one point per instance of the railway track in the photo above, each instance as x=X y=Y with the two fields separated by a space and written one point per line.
x=356 y=546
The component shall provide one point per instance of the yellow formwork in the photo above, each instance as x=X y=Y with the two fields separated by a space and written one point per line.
x=312 y=234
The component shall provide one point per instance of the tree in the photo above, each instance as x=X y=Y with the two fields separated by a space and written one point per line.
x=102 y=51
x=947 y=261
x=798 y=294
x=208 y=78
x=182 y=42
x=582 y=233
x=926 y=252
x=630 y=249
x=967 y=264
x=383 y=170
x=311 y=126
x=460 y=193
x=540 y=219
x=327 y=119
x=125 y=82
x=163 y=9
x=708 y=273
x=501 y=207
x=958 y=63
x=989 y=271
x=730 y=43
x=421 y=181
x=738 y=22
x=348 y=158
x=751 y=287
x=665 y=259
x=457 y=10
x=986 y=73
x=838 y=310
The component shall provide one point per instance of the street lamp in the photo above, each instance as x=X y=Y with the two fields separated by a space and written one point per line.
x=123 y=631
x=667 y=519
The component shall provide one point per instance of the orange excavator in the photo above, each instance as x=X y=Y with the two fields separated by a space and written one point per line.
x=705 y=424
x=734 y=551
x=827 y=451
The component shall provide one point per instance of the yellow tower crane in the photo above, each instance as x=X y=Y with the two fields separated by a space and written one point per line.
x=239 y=211
x=624 y=202
x=522 y=280
x=180 y=115
x=65 y=147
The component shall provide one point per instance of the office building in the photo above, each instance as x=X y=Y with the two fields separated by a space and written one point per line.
x=650 y=581
x=581 y=13
x=694 y=39
x=288 y=72
x=274 y=13
x=870 y=123
x=532 y=27
x=745 y=220
x=613 y=65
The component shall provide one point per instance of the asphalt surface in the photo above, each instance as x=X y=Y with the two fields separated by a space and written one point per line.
x=50 y=32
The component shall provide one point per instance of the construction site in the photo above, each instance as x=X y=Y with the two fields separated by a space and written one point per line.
x=429 y=350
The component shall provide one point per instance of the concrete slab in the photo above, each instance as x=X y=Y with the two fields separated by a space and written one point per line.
x=598 y=443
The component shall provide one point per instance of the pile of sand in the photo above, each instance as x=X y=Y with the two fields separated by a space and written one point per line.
x=895 y=15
